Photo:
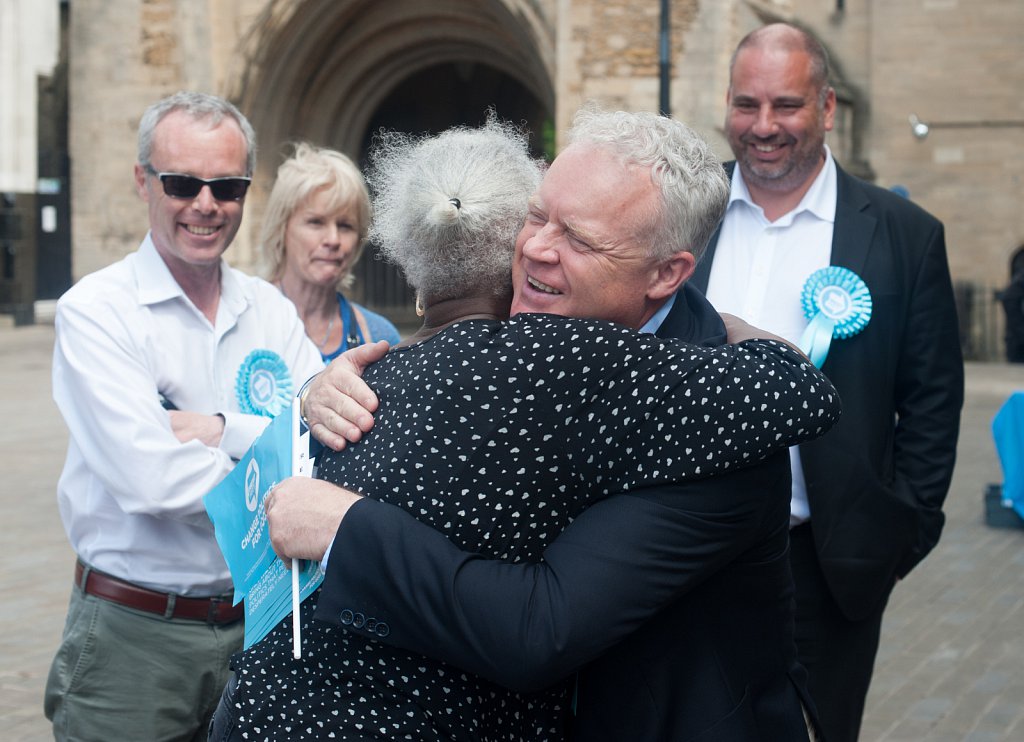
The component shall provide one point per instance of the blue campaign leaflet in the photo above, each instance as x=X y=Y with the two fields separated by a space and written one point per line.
x=236 y=508
x=270 y=599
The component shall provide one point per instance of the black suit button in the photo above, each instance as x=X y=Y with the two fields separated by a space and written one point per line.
x=371 y=624
x=358 y=621
x=346 y=617
x=382 y=629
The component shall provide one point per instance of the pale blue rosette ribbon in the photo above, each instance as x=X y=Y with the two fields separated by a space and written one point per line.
x=838 y=304
x=263 y=384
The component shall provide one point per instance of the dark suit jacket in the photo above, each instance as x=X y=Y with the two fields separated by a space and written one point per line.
x=693 y=581
x=876 y=482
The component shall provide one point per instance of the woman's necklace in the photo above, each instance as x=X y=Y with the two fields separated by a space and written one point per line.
x=327 y=335
x=330 y=322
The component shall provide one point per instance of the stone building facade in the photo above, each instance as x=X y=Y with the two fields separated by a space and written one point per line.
x=333 y=71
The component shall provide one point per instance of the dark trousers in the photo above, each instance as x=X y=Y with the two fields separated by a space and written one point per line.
x=839 y=654
x=222 y=725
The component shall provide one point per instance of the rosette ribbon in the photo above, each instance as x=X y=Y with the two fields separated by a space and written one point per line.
x=263 y=384
x=838 y=304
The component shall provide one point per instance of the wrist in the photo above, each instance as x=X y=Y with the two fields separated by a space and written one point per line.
x=216 y=436
x=302 y=396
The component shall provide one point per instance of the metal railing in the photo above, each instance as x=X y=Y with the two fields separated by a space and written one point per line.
x=982 y=321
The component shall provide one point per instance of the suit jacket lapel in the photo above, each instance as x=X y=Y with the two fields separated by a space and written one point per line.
x=702 y=272
x=693 y=319
x=853 y=230
x=851 y=235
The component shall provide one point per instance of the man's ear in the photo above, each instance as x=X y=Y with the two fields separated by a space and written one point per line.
x=670 y=275
x=829 y=109
x=140 y=182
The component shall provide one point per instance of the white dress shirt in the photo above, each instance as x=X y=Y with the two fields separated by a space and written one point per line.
x=760 y=268
x=130 y=495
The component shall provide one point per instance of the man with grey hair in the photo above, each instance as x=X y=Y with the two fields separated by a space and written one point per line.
x=167 y=365
x=675 y=601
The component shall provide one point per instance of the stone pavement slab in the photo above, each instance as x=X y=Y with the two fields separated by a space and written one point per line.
x=951 y=665
x=35 y=561
x=951 y=662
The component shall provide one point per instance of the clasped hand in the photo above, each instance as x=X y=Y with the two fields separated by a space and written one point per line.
x=303 y=516
x=187 y=426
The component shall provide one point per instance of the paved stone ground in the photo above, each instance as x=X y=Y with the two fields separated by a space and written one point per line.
x=951 y=665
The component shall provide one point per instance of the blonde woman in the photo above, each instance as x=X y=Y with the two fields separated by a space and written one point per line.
x=313 y=233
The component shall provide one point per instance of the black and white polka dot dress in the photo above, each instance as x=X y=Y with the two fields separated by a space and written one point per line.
x=497 y=435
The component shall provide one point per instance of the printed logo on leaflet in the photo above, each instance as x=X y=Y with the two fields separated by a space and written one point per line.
x=252 y=485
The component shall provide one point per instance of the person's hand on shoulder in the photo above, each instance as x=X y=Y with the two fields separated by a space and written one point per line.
x=336 y=404
x=737 y=330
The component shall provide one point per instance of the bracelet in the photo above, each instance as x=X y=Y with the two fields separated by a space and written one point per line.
x=303 y=393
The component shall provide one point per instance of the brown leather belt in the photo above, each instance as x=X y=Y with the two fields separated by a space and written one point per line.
x=215 y=610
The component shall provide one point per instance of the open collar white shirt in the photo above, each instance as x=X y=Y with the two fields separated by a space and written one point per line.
x=760 y=268
x=130 y=495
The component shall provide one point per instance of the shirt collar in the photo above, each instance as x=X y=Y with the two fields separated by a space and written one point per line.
x=820 y=199
x=156 y=284
x=654 y=323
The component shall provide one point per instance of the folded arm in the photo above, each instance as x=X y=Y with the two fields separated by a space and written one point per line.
x=111 y=405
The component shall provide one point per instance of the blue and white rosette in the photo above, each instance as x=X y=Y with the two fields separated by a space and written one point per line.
x=838 y=304
x=263 y=384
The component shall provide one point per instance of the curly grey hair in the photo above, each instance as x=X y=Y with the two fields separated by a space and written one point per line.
x=694 y=187
x=200 y=106
x=447 y=208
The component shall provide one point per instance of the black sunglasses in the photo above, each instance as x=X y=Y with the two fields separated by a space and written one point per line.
x=177 y=185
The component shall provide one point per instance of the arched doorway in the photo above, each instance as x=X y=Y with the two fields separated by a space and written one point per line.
x=429 y=101
x=334 y=72
x=457 y=93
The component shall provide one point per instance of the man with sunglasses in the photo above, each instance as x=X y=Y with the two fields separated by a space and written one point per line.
x=167 y=365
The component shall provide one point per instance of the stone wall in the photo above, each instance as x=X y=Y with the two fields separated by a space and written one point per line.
x=609 y=51
x=126 y=54
x=959 y=66
x=956 y=64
